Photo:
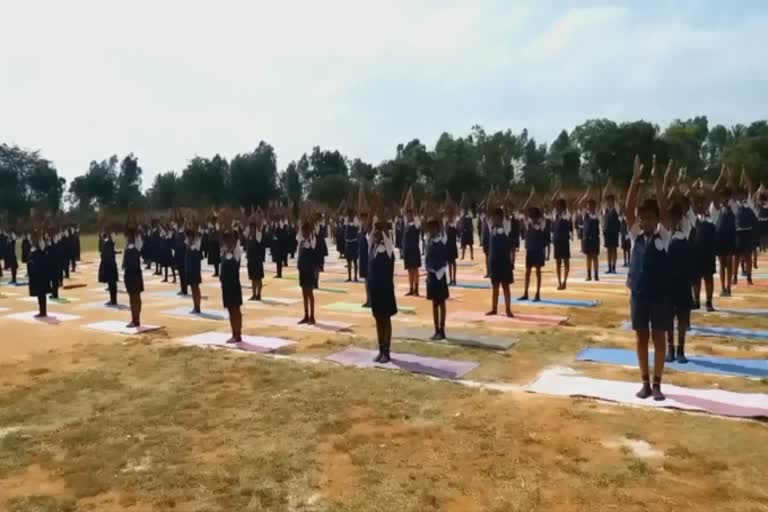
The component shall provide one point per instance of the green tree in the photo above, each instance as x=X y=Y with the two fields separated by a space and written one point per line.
x=128 y=184
x=164 y=193
x=204 y=182
x=253 y=176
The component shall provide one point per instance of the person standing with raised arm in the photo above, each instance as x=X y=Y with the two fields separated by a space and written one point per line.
x=648 y=276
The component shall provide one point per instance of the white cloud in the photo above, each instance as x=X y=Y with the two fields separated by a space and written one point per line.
x=168 y=79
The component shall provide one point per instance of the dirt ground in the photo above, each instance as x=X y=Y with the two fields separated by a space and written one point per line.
x=96 y=421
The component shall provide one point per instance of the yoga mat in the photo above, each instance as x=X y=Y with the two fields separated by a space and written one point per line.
x=567 y=382
x=473 y=286
x=102 y=305
x=279 y=301
x=733 y=311
x=442 y=368
x=18 y=283
x=292 y=323
x=262 y=344
x=455 y=338
x=74 y=285
x=5 y=309
x=465 y=263
x=351 y=307
x=726 y=332
x=601 y=282
x=563 y=303
x=117 y=327
x=519 y=318
x=104 y=290
x=60 y=300
x=168 y=294
x=211 y=314
x=696 y=364
x=340 y=280
x=51 y=319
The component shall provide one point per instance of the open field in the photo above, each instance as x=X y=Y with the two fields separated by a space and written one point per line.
x=97 y=421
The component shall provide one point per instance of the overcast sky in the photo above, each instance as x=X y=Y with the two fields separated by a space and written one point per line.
x=169 y=79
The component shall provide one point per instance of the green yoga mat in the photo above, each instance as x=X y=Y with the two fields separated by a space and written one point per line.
x=351 y=307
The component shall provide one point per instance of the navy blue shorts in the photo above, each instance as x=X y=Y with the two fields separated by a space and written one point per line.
x=650 y=314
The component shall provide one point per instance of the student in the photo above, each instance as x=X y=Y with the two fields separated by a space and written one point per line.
x=11 y=262
x=515 y=234
x=132 y=277
x=745 y=225
x=362 y=255
x=76 y=230
x=193 y=265
x=62 y=249
x=648 y=278
x=381 y=270
x=3 y=248
x=321 y=233
x=214 y=244
x=255 y=251
x=499 y=264
x=156 y=246
x=591 y=236
x=467 y=235
x=704 y=251
x=762 y=220
x=277 y=245
x=306 y=264
x=351 y=248
x=231 y=289
x=339 y=234
x=451 y=240
x=561 y=234
x=26 y=248
x=166 y=251
x=411 y=250
x=726 y=238
x=436 y=262
x=180 y=256
x=535 y=246
x=611 y=228
x=108 y=265
x=681 y=277
x=39 y=273
x=485 y=235
x=626 y=243
x=399 y=232
x=53 y=262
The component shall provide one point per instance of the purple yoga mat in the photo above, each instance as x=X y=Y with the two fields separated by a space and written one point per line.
x=442 y=368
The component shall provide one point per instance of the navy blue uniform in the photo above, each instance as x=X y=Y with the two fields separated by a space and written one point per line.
x=277 y=245
x=499 y=263
x=451 y=238
x=307 y=264
x=10 y=253
x=381 y=278
x=132 y=277
x=38 y=271
x=214 y=247
x=351 y=248
x=467 y=231
x=26 y=247
x=322 y=246
x=193 y=261
x=611 y=228
x=591 y=235
x=681 y=274
x=231 y=289
x=648 y=281
x=107 y=263
x=411 y=248
x=255 y=251
x=436 y=261
x=704 y=243
x=535 y=244
x=746 y=224
x=726 y=231
x=362 y=257
x=561 y=236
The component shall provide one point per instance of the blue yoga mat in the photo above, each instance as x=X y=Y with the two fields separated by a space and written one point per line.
x=696 y=364
x=734 y=311
x=726 y=332
x=566 y=303
x=474 y=286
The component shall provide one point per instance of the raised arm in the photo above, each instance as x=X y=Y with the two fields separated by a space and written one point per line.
x=660 y=197
x=631 y=205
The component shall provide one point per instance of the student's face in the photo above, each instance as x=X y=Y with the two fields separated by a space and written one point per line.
x=648 y=221
x=409 y=215
x=611 y=202
x=699 y=206
x=591 y=207
x=433 y=230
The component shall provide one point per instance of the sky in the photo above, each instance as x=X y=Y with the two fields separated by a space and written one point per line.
x=170 y=79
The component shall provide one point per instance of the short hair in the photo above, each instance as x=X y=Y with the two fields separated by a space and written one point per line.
x=676 y=209
x=534 y=212
x=726 y=192
x=560 y=203
x=497 y=212
x=610 y=197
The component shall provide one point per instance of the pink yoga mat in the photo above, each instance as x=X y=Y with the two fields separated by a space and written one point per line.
x=567 y=382
x=519 y=318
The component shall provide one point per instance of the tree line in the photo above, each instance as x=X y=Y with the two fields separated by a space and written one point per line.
x=589 y=154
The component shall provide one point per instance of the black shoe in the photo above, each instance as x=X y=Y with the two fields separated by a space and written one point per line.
x=710 y=307
x=537 y=298
x=377 y=359
x=384 y=359
x=681 y=357
x=670 y=354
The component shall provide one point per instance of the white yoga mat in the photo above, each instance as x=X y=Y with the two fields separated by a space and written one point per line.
x=251 y=343
x=118 y=327
x=205 y=314
x=51 y=319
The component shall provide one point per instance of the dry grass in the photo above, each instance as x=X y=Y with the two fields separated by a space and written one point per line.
x=134 y=427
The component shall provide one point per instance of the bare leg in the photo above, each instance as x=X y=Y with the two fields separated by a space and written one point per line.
x=589 y=268
x=709 y=285
x=196 y=298
x=311 y=295
x=527 y=283
x=305 y=299
x=538 y=284
x=642 y=338
x=558 y=267
x=494 y=300
x=442 y=319
x=659 y=348
x=507 y=299
x=567 y=272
